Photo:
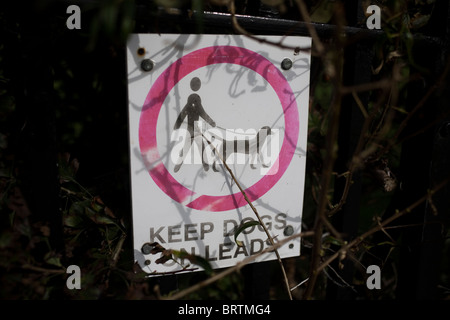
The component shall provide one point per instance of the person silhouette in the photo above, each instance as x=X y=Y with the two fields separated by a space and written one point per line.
x=193 y=110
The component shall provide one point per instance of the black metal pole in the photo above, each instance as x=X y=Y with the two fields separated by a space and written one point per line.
x=357 y=70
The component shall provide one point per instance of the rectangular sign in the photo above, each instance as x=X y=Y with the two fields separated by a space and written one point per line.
x=195 y=102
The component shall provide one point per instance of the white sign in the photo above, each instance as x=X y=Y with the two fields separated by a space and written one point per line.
x=194 y=102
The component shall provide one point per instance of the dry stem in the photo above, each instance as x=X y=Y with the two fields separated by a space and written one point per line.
x=382 y=225
x=286 y=281
x=238 y=266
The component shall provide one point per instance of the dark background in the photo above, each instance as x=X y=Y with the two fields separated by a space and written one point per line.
x=63 y=113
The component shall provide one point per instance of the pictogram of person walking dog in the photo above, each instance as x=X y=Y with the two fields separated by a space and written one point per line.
x=225 y=146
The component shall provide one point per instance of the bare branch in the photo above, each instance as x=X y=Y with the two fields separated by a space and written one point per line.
x=381 y=225
x=269 y=236
x=43 y=270
x=238 y=266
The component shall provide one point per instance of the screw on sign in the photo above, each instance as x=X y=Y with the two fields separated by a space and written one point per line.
x=204 y=101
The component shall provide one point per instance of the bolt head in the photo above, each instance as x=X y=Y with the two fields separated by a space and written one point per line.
x=286 y=64
x=147 y=65
x=288 y=231
x=146 y=248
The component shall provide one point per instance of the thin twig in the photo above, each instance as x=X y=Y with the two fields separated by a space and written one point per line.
x=419 y=105
x=358 y=154
x=348 y=183
x=167 y=273
x=334 y=72
x=381 y=225
x=238 y=265
x=298 y=285
x=256 y=214
x=344 y=284
x=312 y=31
x=118 y=249
x=327 y=171
x=384 y=230
x=43 y=270
x=360 y=104
x=381 y=84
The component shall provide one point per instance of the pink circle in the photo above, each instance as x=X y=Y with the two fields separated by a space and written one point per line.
x=158 y=93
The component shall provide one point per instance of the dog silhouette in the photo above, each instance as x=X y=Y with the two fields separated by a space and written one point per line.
x=249 y=146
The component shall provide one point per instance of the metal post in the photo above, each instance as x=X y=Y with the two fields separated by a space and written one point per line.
x=357 y=70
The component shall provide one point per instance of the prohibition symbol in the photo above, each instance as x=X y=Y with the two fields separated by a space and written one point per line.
x=154 y=102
